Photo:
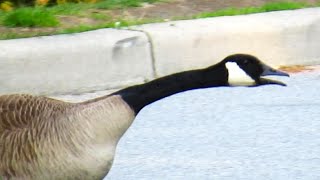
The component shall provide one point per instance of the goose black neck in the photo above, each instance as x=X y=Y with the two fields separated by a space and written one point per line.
x=140 y=96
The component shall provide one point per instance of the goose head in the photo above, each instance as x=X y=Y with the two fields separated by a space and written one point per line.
x=248 y=70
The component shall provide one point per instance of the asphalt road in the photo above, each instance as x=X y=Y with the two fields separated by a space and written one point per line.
x=267 y=132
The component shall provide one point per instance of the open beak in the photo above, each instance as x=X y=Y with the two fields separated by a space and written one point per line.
x=269 y=71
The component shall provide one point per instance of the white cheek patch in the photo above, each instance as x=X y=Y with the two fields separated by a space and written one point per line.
x=237 y=77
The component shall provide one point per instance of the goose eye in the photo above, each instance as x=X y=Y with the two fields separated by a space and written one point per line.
x=246 y=62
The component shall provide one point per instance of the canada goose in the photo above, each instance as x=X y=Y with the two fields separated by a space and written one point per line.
x=43 y=138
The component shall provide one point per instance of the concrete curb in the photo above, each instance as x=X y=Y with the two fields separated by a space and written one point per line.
x=110 y=58
x=77 y=63
x=277 y=38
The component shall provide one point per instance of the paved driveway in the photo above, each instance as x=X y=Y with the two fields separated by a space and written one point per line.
x=268 y=132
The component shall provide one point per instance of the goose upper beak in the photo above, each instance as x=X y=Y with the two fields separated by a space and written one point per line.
x=269 y=71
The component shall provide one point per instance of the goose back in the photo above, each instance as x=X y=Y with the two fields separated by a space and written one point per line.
x=43 y=138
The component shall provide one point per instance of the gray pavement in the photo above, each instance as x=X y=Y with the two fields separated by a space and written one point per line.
x=268 y=132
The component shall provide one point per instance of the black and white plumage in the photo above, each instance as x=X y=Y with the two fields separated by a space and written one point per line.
x=43 y=138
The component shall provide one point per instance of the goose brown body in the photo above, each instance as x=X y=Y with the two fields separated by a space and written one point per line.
x=43 y=138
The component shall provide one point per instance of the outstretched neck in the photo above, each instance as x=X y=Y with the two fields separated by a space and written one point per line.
x=140 y=96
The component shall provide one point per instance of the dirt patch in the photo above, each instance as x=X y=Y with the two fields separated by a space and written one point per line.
x=187 y=8
x=182 y=8
x=296 y=68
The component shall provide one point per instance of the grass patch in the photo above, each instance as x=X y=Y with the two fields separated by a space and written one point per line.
x=30 y=17
x=2 y=15
x=80 y=28
x=115 y=4
x=278 y=6
x=229 y=12
x=273 y=6
x=112 y=24
x=46 y=16
x=69 y=8
x=13 y=35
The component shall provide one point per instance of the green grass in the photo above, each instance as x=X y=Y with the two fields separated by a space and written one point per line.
x=283 y=6
x=2 y=15
x=30 y=17
x=69 y=8
x=112 y=24
x=13 y=35
x=273 y=6
x=81 y=28
x=114 y=4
